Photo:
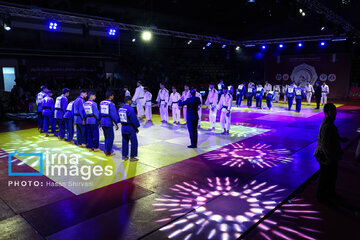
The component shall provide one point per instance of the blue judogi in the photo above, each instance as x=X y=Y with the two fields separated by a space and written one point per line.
x=290 y=95
x=60 y=109
x=270 y=97
x=299 y=95
x=48 y=108
x=129 y=128
x=250 y=95
x=69 y=120
x=109 y=117
x=220 y=86
x=192 y=117
x=92 y=124
x=258 y=95
x=79 y=116
x=240 y=93
x=39 y=98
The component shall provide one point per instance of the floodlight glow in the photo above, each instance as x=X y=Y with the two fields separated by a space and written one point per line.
x=322 y=28
x=203 y=48
x=322 y=44
x=300 y=10
x=208 y=44
x=112 y=32
x=300 y=44
x=223 y=46
x=146 y=35
x=263 y=47
x=53 y=25
x=281 y=45
x=303 y=14
x=7 y=27
x=189 y=42
x=133 y=40
x=237 y=48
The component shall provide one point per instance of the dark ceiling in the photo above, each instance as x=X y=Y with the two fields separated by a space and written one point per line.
x=238 y=20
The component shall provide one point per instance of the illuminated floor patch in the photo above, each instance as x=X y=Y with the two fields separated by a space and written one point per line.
x=222 y=210
x=159 y=145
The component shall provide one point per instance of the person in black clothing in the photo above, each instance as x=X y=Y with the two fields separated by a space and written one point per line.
x=317 y=94
x=192 y=116
x=328 y=153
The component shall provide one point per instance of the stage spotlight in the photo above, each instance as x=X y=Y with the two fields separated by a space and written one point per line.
x=303 y=14
x=223 y=46
x=203 y=48
x=237 y=48
x=53 y=25
x=189 y=42
x=6 y=23
x=263 y=47
x=146 y=35
x=251 y=1
x=322 y=43
x=300 y=10
x=208 y=44
x=322 y=28
x=133 y=40
x=112 y=32
x=300 y=44
x=281 y=45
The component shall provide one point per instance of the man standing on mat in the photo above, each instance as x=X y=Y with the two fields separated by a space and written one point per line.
x=185 y=94
x=328 y=153
x=309 y=90
x=60 y=109
x=139 y=99
x=92 y=123
x=109 y=118
x=129 y=128
x=224 y=106
x=192 y=120
x=39 y=97
x=290 y=95
x=211 y=103
x=48 y=108
x=163 y=100
x=317 y=94
x=80 y=117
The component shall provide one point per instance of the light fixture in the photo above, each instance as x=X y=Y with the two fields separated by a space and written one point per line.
x=6 y=22
x=281 y=45
x=133 y=40
x=53 y=25
x=237 y=48
x=189 y=42
x=300 y=44
x=112 y=32
x=322 y=28
x=146 y=35
x=300 y=10
x=208 y=44
x=322 y=43
x=303 y=14
x=223 y=46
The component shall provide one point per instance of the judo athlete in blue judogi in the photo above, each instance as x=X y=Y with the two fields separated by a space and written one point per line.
x=48 y=108
x=129 y=128
x=92 y=123
x=60 y=109
x=192 y=116
x=240 y=94
x=259 y=93
x=39 y=97
x=109 y=118
x=69 y=122
x=299 y=96
x=80 y=118
x=290 y=95
x=250 y=95
x=270 y=97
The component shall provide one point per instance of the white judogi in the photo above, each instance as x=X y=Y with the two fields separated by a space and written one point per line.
x=211 y=102
x=324 y=92
x=173 y=103
x=127 y=93
x=148 y=106
x=140 y=101
x=277 y=91
x=200 y=107
x=163 y=100
x=267 y=88
x=225 y=105
x=309 y=90
x=284 y=92
x=185 y=95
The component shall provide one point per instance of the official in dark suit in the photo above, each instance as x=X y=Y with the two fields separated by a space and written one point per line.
x=192 y=116
x=317 y=94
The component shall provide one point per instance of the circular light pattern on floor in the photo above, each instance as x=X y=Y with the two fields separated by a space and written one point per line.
x=218 y=210
x=240 y=154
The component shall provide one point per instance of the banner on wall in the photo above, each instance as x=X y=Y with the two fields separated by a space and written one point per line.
x=333 y=69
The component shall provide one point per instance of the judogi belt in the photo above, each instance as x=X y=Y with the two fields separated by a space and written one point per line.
x=140 y=97
x=225 y=107
x=59 y=109
x=126 y=124
x=148 y=101
x=46 y=107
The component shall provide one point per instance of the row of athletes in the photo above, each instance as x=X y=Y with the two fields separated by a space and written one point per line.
x=88 y=118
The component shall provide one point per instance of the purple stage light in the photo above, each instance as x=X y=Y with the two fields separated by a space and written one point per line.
x=53 y=25
x=112 y=32
x=322 y=44
x=300 y=44
x=281 y=45
x=263 y=47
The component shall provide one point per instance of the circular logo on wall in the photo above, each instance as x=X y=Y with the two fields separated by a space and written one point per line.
x=323 y=77
x=304 y=73
x=286 y=77
x=332 y=77
x=278 y=77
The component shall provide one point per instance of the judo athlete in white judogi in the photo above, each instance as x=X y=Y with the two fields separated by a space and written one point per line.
x=148 y=104
x=211 y=103
x=185 y=95
x=224 y=106
x=267 y=88
x=139 y=99
x=174 y=105
x=198 y=95
x=163 y=100
x=324 y=92
x=277 y=91
x=309 y=90
x=284 y=89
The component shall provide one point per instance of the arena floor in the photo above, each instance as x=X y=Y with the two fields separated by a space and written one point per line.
x=221 y=190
